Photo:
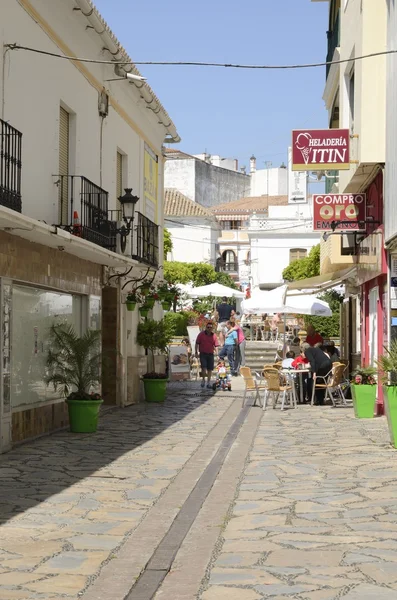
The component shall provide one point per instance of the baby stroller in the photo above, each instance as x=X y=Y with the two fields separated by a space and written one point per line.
x=223 y=379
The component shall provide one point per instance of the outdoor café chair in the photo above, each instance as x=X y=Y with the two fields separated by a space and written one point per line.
x=277 y=389
x=331 y=383
x=251 y=385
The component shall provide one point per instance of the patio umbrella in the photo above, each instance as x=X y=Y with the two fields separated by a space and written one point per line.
x=265 y=302
x=307 y=304
x=216 y=290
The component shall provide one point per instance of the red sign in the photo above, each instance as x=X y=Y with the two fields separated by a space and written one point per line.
x=348 y=208
x=320 y=149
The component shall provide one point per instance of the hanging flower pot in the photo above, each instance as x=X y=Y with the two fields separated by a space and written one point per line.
x=149 y=302
x=144 y=310
x=145 y=289
x=130 y=305
x=166 y=305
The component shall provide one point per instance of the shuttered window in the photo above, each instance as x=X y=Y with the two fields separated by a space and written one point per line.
x=63 y=167
x=297 y=254
x=119 y=179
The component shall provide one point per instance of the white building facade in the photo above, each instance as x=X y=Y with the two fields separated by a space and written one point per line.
x=72 y=142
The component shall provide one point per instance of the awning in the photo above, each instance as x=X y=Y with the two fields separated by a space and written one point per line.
x=231 y=217
x=323 y=282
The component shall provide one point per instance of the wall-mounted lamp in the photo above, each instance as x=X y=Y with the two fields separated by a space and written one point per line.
x=128 y=203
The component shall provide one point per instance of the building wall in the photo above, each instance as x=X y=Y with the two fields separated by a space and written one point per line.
x=271 y=182
x=331 y=258
x=34 y=88
x=180 y=174
x=193 y=240
x=363 y=31
x=215 y=185
x=390 y=199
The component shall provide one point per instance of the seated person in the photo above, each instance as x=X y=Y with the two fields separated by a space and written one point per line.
x=300 y=362
x=330 y=350
x=288 y=360
x=331 y=344
x=295 y=346
x=223 y=377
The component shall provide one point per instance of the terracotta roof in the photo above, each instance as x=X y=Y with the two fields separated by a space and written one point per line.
x=250 y=205
x=175 y=153
x=178 y=205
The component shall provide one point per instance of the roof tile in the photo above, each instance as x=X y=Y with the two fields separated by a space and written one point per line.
x=178 y=205
x=249 y=205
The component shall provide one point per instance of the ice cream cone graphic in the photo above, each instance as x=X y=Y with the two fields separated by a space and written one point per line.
x=302 y=144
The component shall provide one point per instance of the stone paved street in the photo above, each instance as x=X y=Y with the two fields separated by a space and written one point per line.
x=68 y=502
x=315 y=517
x=304 y=507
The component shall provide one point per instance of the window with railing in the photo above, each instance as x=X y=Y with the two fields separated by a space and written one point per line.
x=228 y=262
x=145 y=241
x=10 y=167
x=333 y=36
x=84 y=210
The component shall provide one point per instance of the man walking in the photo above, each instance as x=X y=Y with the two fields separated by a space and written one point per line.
x=229 y=347
x=206 y=344
x=224 y=312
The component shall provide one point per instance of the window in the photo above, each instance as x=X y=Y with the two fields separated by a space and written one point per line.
x=297 y=254
x=119 y=179
x=348 y=244
x=229 y=261
x=64 y=141
x=351 y=92
x=233 y=225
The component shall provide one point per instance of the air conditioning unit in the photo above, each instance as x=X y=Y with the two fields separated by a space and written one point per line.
x=123 y=243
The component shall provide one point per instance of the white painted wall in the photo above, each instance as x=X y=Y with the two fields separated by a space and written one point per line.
x=390 y=219
x=34 y=88
x=180 y=174
x=272 y=182
x=194 y=240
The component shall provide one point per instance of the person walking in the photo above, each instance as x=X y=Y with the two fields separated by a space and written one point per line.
x=313 y=337
x=206 y=345
x=223 y=313
x=229 y=347
x=241 y=342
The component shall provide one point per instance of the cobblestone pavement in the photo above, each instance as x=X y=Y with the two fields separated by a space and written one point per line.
x=315 y=516
x=69 y=502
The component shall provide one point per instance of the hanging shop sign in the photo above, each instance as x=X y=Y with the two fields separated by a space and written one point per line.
x=320 y=149
x=345 y=211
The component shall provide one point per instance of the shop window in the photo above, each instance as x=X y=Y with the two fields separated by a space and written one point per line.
x=297 y=254
x=33 y=312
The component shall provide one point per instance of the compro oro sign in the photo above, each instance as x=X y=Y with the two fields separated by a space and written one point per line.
x=320 y=149
x=346 y=210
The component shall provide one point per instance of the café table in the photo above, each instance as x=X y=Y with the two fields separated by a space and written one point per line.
x=299 y=372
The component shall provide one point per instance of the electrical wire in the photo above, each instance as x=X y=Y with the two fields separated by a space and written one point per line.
x=202 y=64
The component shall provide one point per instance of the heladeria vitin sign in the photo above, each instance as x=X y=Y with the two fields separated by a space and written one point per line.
x=320 y=149
x=347 y=211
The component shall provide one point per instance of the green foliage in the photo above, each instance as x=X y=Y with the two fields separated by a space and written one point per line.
x=178 y=321
x=328 y=326
x=196 y=273
x=154 y=335
x=304 y=267
x=387 y=364
x=177 y=272
x=167 y=242
x=74 y=362
x=364 y=376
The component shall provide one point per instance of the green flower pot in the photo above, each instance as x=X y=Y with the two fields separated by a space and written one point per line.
x=166 y=305
x=130 y=305
x=390 y=400
x=155 y=389
x=144 y=311
x=364 y=398
x=145 y=289
x=83 y=415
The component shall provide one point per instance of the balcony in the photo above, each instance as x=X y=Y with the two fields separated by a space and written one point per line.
x=145 y=241
x=333 y=41
x=226 y=267
x=10 y=167
x=83 y=210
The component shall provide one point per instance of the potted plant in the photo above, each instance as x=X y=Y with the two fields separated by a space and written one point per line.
x=363 y=386
x=74 y=364
x=144 y=310
x=387 y=364
x=132 y=299
x=154 y=336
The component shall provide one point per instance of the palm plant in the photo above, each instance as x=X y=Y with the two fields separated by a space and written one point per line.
x=387 y=364
x=74 y=362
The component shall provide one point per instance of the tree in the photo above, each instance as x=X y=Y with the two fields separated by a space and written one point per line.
x=168 y=245
x=202 y=274
x=196 y=273
x=177 y=272
x=304 y=267
x=225 y=279
x=310 y=267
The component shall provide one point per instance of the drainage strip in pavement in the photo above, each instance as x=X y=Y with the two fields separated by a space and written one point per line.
x=160 y=563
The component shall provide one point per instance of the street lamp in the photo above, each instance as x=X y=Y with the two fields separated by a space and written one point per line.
x=128 y=202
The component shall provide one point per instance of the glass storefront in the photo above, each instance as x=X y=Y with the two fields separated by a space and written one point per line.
x=33 y=312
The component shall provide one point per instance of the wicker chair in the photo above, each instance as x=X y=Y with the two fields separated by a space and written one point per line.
x=331 y=383
x=251 y=385
x=275 y=388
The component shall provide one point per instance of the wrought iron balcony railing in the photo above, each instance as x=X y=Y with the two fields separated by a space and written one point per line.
x=145 y=241
x=83 y=210
x=230 y=267
x=333 y=41
x=10 y=167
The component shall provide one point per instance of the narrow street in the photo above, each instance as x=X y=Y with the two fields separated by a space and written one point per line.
x=296 y=504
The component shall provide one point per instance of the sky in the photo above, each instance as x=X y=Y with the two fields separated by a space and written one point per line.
x=233 y=113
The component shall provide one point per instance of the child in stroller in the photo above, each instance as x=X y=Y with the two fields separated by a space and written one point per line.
x=223 y=379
